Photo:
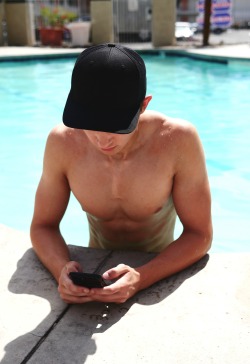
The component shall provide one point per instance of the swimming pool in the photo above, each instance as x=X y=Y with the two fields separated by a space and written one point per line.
x=213 y=96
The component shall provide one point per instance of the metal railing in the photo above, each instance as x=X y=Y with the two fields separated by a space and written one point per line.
x=132 y=20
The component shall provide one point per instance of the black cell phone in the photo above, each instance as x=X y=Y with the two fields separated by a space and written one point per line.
x=89 y=280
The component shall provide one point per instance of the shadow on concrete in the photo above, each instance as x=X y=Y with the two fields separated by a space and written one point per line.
x=69 y=328
x=33 y=279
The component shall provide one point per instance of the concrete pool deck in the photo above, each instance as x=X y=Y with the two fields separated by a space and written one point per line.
x=200 y=315
x=239 y=52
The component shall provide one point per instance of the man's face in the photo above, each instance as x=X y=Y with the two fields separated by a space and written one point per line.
x=109 y=143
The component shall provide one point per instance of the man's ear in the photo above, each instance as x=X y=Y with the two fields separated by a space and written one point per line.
x=145 y=103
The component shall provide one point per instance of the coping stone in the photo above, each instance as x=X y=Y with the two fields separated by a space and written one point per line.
x=200 y=315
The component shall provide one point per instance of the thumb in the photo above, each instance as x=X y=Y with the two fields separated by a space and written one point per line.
x=73 y=266
x=116 y=272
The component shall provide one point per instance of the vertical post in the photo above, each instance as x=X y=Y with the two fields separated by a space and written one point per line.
x=206 y=25
x=20 y=22
x=102 y=26
x=163 y=22
x=1 y=22
x=185 y=8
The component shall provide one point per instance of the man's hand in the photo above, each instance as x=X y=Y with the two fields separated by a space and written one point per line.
x=69 y=292
x=125 y=286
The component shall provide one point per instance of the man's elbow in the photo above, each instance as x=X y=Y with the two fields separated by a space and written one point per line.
x=35 y=232
x=207 y=238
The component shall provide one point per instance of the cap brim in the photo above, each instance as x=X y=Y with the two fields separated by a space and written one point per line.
x=109 y=120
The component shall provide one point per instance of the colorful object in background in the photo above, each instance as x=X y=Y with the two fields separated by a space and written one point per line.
x=51 y=36
x=55 y=17
x=52 y=23
x=221 y=17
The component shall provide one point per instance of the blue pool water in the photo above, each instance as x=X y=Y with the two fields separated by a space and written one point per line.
x=214 y=97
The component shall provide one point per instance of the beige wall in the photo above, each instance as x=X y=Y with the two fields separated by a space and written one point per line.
x=102 y=22
x=20 y=24
x=163 y=22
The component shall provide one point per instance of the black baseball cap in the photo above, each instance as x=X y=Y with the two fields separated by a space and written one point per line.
x=108 y=85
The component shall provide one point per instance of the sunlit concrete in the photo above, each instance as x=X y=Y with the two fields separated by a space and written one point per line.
x=199 y=315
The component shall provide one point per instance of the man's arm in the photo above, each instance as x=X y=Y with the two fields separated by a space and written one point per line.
x=192 y=200
x=51 y=201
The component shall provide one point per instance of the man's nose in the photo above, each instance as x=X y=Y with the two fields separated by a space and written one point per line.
x=104 y=139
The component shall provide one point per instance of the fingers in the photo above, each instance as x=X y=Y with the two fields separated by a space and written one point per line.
x=113 y=293
x=68 y=291
x=65 y=283
x=116 y=272
x=125 y=286
x=76 y=299
x=72 y=266
x=71 y=293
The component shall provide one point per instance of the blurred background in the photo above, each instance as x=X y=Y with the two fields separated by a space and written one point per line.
x=159 y=22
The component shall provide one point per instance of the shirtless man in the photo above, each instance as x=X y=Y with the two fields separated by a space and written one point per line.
x=132 y=171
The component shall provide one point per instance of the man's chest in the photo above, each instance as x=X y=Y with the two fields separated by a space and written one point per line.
x=128 y=189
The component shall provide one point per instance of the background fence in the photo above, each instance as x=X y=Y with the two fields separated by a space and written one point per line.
x=132 y=18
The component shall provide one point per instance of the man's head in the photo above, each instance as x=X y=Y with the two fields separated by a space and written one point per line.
x=107 y=88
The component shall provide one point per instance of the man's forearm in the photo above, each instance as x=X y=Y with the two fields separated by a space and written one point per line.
x=182 y=253
x=50 y=248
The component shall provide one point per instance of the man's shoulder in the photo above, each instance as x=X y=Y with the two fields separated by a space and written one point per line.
x=61 y=145
x=59 y=131
x=173 y=135
x=61 y=135
x=165 y=124
x=183 y=133
x=182 y=126
x=63 y=140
